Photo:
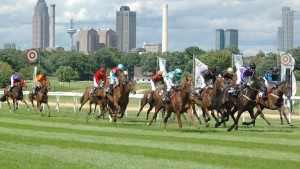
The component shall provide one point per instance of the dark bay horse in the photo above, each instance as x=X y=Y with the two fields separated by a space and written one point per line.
x=247 y=101
x=210 y=99
x=41 y=97
x=274 y=101
x=15 y=94
x=179 y=103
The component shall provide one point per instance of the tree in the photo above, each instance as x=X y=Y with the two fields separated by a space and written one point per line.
x=66 y=74
x=6 y=72
x=233 y=49
x=130 y=60
x=219 y=58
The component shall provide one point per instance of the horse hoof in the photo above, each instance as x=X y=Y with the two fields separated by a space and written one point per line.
x=49 y=115
x=236 y=128
x=229 y=129
x=291 y=125
x=207 y=125
x=244 y=123
x=216 y=125
x=148 y=124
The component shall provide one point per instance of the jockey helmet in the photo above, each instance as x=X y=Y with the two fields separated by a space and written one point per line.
x=102 y=69
x=274 y=69
x=252 y=65
x=125 y=73
x=230 y=70
x=178 y=72
x=120 y=66
x=213 y=69
x=159 y=73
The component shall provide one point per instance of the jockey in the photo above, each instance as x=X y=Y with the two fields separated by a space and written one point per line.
x=13 y=80
x=114 y=75
x=228 y=75
x=245 y=77
x=209 y=77
x=40 y=79
x=172 y=79
x=99 y=80
x=155 y=79
x=271 y=78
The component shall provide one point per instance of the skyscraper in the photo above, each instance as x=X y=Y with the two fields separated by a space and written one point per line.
x=126 y=29
x=40 y=26
x=285 y=33
x=226 y=38
x=87 y=40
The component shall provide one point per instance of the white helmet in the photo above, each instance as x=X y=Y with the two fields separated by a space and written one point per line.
x=230 y=70
x=125 y=72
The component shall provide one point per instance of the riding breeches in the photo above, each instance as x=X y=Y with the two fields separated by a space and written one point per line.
x=154 y=85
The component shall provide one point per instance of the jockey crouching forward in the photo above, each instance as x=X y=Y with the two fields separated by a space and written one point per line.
x=246 y=75
x=272 y=79
x=173 y=78
x=14 y=79
x=99 y=80
x=154 y=81
x=114 y=75
x=208 y=79
x=40 y=80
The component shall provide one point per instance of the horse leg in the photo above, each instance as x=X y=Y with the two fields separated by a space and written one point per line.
x=195 y=113
x=33 y=107
x=82 y=102
x=236 y=121
x=39 y=107
x=25 y=104
x=143 y=104
x=49 y=115
x=205 y=115
x=191 y=114
x=169 y=112
x=157 y=109
x=216 y=119
x=284 y=115
x=148 y=111
x=14 y=105
x=7 y=99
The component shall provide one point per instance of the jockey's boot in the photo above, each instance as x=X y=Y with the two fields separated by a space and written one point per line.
x=167 y=98
x=200 y=94
x=235 y=92
x=92 y=92
x=9 y=89
x=110 y=90
x=265 y=95
x=36 y=90
x=150 y=100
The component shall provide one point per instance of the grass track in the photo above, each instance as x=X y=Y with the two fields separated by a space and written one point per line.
x=69 y=140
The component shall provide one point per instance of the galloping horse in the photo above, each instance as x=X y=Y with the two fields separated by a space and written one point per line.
x=99 y=97
x=247 y=101
x=41 y=97
x=210 y=100
x=274 y=101
x=119 y=99
x=15 y=94
x=179 y=103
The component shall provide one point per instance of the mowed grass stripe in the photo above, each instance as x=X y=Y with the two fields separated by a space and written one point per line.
x=228 y=160
x=196 y=141
x=247 y=137
x=167 y=145
x=72 y=157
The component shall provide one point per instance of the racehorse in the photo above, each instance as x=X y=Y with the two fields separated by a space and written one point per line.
x=41 y=97
x=247 y=101
x=15 y=94
x=179 y=103
x=274 y=101
x=210 y=99
x=98 y=97
x=117 y=102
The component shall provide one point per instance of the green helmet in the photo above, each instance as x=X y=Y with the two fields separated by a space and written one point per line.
x=178 y=72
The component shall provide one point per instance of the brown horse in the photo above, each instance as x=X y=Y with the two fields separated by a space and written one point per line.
x=210 y=99
x=247 y=101
x=118 y=102
x=41 y=97
x=98 y=97
x=274 y=101
x=15 y=94
x=179 y=103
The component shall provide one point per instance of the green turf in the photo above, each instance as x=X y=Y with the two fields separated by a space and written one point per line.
x=73 y=140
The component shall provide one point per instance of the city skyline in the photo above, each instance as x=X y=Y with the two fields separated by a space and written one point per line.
x=190 y=23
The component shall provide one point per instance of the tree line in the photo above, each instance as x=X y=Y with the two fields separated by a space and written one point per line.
x=69 y=66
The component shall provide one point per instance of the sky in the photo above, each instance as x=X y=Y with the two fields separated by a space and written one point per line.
x=190 y=22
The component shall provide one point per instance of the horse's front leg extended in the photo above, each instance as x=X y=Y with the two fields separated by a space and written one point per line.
x=25 y=104
x=8 y=103
x=284 y=115
x=40 y=108
x=169 y=112
x=191 y=114
x=236 y=121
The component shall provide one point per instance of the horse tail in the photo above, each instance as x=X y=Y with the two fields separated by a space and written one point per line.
x=3 y=98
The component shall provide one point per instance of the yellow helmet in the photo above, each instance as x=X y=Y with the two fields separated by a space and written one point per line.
x=230 y=70
x=159 y=72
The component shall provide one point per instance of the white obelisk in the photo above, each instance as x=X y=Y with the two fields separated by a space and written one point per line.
x=165 y=28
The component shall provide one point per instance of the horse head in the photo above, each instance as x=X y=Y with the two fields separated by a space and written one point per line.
x=219 y=84
x=22 y=82
x=130 y=87
x=187 y=85
x=123 y=79
x=45 y=87
x=286 y=88
x=259 y=84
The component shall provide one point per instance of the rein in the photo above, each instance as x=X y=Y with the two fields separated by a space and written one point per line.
x=248 y=98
